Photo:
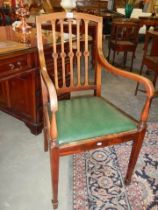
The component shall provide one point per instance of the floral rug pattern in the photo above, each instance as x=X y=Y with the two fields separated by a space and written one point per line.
x=99 y=174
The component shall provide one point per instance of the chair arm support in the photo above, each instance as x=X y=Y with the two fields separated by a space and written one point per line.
x=146 y=82
x=51 y=90
x=48 y=90
x=51 y=126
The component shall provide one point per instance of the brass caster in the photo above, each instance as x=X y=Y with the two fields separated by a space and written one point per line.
x=55 y=204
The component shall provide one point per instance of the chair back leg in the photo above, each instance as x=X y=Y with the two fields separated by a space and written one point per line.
x=140 y=73
x=131 y=67
x=109 y=54
x=155 y=79
x=124 y=59
x=114 y=53
x=45 y=132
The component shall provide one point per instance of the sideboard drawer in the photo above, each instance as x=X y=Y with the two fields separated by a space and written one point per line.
x=18 y=63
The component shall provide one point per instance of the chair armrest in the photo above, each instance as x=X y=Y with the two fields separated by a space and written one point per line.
x=146 y=82
x=50 y=89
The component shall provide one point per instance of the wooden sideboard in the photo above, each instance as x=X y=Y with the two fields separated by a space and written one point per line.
x=20 y=89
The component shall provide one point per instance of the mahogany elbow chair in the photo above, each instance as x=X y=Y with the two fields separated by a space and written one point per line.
x=83 y=122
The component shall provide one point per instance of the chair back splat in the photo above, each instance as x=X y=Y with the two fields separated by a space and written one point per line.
x=73 y=55
x=83 y=122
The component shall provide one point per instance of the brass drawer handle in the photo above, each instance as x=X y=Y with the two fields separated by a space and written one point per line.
x=12 y=66
x=19 y=64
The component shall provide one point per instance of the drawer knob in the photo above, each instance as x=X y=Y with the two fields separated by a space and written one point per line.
x=19 y=64
x=12 y=66
x=99 y=143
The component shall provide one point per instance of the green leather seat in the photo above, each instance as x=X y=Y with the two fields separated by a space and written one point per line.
x=87 y=117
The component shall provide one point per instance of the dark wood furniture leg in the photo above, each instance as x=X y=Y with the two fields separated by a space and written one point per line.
x=35 y=129
x=54 y=161
x=114 y=53
x=133 y=55
x=125 y=58
x=137 y=144
x=140 y=73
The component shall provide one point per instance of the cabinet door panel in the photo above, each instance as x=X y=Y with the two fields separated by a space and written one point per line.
x=4 y=95
x=22 y=95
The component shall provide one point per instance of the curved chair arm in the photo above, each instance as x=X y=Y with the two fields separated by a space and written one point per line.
x=51 y=90
x=48 y=89
x=146 y=82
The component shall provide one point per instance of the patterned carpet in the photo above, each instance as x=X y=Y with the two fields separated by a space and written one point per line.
x=98 y=177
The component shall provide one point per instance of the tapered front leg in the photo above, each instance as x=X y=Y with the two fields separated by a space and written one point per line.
x=137 y=145
x=54 y=162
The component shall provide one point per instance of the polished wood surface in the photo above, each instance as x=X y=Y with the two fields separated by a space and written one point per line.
x=149 y=21
x=20 y=88
x=92 y=7
x=82 y=80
